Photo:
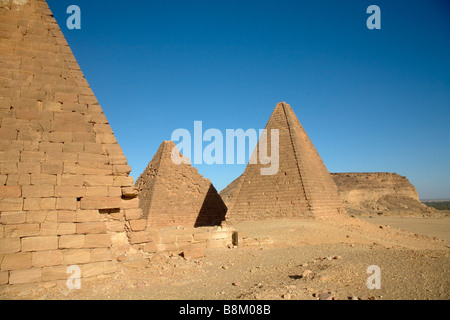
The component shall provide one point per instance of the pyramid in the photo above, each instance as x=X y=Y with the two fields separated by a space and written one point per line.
x=176 y=194
x=65 y=189
x=302 y=187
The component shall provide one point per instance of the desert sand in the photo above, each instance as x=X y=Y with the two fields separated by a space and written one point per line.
x=307 y=259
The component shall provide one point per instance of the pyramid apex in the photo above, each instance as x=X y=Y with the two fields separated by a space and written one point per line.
x=168 y=143
x=282 y=105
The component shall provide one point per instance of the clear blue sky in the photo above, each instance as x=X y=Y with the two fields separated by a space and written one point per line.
x=370 y=100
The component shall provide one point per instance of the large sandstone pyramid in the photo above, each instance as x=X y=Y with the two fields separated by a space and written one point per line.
x=302 y=187
x=176 y=194
x=65 y=189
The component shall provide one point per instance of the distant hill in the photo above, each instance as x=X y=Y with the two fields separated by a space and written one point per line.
x=438 y=204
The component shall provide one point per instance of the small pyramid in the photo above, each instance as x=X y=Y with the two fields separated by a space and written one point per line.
x=302 y=187
x=176 y=194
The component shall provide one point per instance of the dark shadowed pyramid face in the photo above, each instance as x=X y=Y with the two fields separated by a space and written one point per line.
x=302 y=186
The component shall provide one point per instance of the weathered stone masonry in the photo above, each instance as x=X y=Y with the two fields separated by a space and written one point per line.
x=66 y=196
x=302 y=187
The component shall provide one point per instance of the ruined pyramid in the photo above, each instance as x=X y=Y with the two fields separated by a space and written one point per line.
x=65 y=189
x=302 y=187
x=176 y=194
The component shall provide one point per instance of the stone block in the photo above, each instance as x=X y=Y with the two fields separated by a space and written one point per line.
x=52 y=167
x=40 y=243
x=46 y=258
x=139 y=237
x=70 y=191
x=97 y=241
x=36 y=216
x=29 y=167
x=21 y=230
x=133 y=214
x=99 y=191
x=25 y=276
x=92 y=269
x=91 y=227
x=66 y=203
x=202 y=236
x=12 y=217
x=130 y=203
x=76 y=256
x=4 y=277
x=41 y=191
x=89 y=216
x=9 y=245
x=129 y=192
x=121 y=170
x=55 y=228
x=101 y=254
x=72 y=241
x=115 y=226
x=138 y=225
x=97 y=180
x=67 y=216
x=60 y=137
x=185 y=238
x=10 y=191
x=16 y=261
x=221 y=243
x=193 y=253
x=149 y=247
x=11 y=204
x=115 y=192
x=100 y=203
x=123 y=181
x=55 y=273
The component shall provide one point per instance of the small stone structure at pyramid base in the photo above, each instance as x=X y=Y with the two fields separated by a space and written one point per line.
x=178 y=239
x=176 y=194
x=301 y=188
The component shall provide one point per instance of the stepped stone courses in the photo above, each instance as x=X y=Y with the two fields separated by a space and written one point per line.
x=176 y=194
x=302 y=187
x=65 y=191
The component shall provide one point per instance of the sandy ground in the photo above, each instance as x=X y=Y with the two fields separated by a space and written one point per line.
x=435 y=227
x=307 y=260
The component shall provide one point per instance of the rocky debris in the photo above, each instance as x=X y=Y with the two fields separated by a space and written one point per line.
x=307 y=274
x=193 y=253
x=325 y=296
x=247 y=242
x=129 y=192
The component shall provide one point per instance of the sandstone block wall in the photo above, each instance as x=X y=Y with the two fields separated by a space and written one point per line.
x=66 y=196
x=302 y=187
x=175 y=240
x=176 y=194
